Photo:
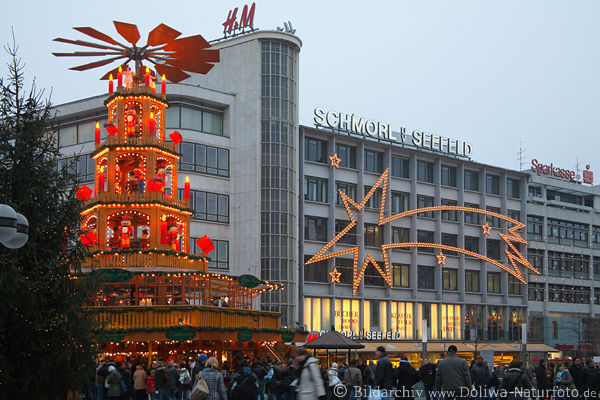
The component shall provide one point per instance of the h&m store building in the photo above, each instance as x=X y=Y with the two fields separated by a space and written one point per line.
x=465 y=297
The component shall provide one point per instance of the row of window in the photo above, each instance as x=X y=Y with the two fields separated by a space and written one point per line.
x=562 y=293
x=317 y=272
x=567 y=265
x=572 y=198
x=208 y=206
x=219 y=257
x=316 y=151
x=559 y=231
x=185 y=117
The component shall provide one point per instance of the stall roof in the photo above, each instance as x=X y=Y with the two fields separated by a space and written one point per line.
x=416 y=347
x=333 y=340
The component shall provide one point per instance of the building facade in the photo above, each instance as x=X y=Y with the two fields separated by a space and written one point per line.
x=563 y=231
x=462 y=298
x=239 y=125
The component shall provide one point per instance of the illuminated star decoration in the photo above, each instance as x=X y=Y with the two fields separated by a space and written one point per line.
x=514 y=255
x=486 y=229
x=335 y=276
x=335 y=160
x=441 y=258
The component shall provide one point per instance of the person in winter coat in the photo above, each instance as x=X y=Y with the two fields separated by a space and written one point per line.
x=184 y=383
x=280 y=381
x=214 y=380
x=427 y=374
x=151 y=385
x=590 y=377
x=453 y=373
x=405 y=376
x=333 y=380
x=576 y=371
x=352 y=379
x=384 y=372
x=199 y=366
x=563 y=382
x=480 y=375
x=260 y=372
x=113 y=384
x=540 y=376
x=244 y=383
x=172 y=378
x=309 y=384
x=515 y=378
x=139 y=383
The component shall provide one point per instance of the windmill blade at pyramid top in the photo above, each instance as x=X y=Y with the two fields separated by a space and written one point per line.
x=186 y=43
x=173 y=74
x=95 y=64
x=128 y=31
x=98 y=35
x=87 y=44
x=162 y=34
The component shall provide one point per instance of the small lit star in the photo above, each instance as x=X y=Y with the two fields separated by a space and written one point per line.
x=486 y=229
x=335 y=160
x=441 y=258
x=335 y=276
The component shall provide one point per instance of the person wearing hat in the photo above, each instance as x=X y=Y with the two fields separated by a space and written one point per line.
x=200 y=361
x=334 y=380
x=453 y=374
x=384 y=372
x=405 y=376
x=113 y=383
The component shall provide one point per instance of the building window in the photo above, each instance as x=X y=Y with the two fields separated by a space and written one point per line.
x=350 y=236
x=315 y=150
x=424 y=171
x=401 y=275
x=84 y=167
x=567 y=233
x=514 y=285
x=471 y=180
x=194 y=119
x=493 y=285
x=568 y=294
x=535 y=291
x=513 y=188
x=347 y=154
x=535 y=191
x=472 y=244
x=449 y=281
x=472 y=217
x=472 y=281
x=492 y=184
x=426 y=277
x=400 y=167
x=493 y=249
x=596 y=237
x=448 y=175
x=400 y=235
x=315 y=228
x=399 y=202
x=425 y=201
x=425 y=237
x=373 y=235
x=534 y=227
x=568 y=265
x=345 y=267
x=349 y=189
x=208 y=206
x=596 y=268
x=374 y=201
x=219 y=258
x=315 y=189
x=449 y=215
x=374 y=313
x=373 y=161
x=493 y=221
x=315 y=272
x=514 y=214
x=372 y=276
x=555 y=330
x=536 y=259
x=450 y=239
x=204 y=159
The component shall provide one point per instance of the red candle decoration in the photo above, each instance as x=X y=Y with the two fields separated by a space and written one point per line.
x=163 y=84
x=186 y=188
x=101 y=180
x=163 y=230
x=147 y=77
x=97 y=133
x=152 y=124
x=110 y=84
x=120 y=77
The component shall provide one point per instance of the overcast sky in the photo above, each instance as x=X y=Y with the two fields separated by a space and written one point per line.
x=493 y=73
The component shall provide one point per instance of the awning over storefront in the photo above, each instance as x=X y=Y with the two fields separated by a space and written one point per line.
x=439 y=347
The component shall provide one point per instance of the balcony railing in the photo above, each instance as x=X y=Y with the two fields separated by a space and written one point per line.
x=110 y=197
x=143 y=260
x=143 y=317
x=144 y=140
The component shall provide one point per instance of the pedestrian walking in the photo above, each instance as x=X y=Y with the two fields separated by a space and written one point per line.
x=590 y=380
x=140 y=379
x=576 y=371
x=405 y=376
x=184 y=383
x=453 y=375
x=309 y=383
x=280 y=384
x=113 y=384
x=214 y=380
x=259 y=370
x=480 y=376
x=384 y=372
x=427 y=374
x=563 y=383
x=515 y=381
x=244 y=383
x=353 y=379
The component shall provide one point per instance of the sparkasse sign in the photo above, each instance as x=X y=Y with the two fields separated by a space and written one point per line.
x=551 y=170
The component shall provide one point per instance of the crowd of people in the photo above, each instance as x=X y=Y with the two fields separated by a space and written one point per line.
x=303 y=378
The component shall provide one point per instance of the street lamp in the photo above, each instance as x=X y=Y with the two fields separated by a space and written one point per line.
x=14 y=228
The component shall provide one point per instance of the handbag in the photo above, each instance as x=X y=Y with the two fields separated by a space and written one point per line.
x=200 y=390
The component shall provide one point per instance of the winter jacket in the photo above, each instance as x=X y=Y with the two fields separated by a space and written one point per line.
x=260 y=372
x=282 y=377
x=590 y=378
x=139 y=379
x=480 y=375
x=353 y=377
x=405 y=376
x=333 y=378
x=452 y=374
x=540 y=377
x=172 y=378
x=114 y=384
x=245 y=384
x=513 y=379
x=216 y=386
x=309 y=385
x=160 y=378
x=563 y=378
x=384 y=373
x=577 y=375
x=427 y=374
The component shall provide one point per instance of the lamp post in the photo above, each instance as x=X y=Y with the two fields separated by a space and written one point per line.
x=14 y=228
